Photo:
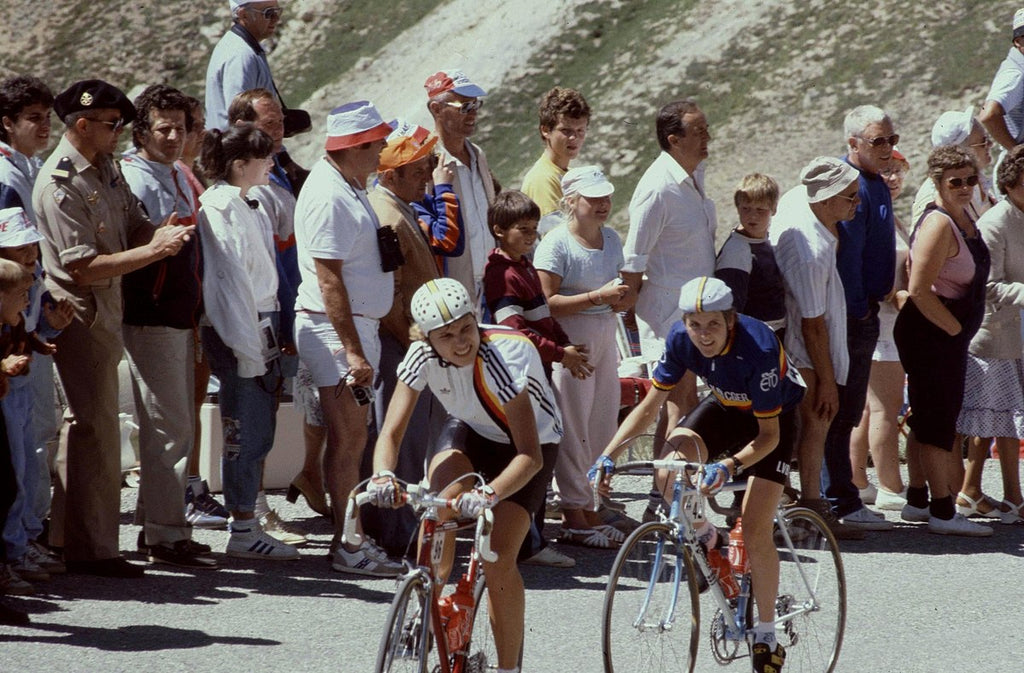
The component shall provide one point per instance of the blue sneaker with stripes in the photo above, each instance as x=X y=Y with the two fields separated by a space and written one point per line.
x=251 y=542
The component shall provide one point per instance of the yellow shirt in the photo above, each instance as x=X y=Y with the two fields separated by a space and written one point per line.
x=543 y=184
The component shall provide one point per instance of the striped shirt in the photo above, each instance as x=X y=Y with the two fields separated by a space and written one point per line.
x=506 y=365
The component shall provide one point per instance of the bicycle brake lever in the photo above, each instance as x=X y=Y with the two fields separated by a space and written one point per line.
x=484 y=525
x=350 y=534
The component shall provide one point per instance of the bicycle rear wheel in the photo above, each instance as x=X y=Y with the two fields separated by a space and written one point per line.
x=651 y=616
x=811 y=605
x=481 y=655
x=407 y=644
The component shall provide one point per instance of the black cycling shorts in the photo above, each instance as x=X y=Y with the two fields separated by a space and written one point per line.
x=725 y=431
x=489 y=458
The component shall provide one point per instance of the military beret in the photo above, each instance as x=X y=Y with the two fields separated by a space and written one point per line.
x=93 y=94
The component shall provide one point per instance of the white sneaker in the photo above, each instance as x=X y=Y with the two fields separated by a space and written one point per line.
x=368 y=559
x=958 y=525
x=255 y=544
x=915 y=514
x=551 y=558
x=889 y=501
x=865 y=519
x=868 y=494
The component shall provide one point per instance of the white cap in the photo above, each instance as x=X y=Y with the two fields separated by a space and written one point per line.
x=440 y=302
x=952 y=128
x=704 y=294
x=1018 y=23
x=824 y=177
x=16 y=229
x=586 y=181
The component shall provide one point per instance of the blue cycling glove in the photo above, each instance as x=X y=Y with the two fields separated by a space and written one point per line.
x=715 y=476
x=604 y=465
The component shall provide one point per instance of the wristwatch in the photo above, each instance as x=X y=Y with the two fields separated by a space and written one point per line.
x=737 y=466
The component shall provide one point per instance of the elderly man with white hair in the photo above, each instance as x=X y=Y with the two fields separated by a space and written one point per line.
x=238 y=62
x=805 y=236
x=866 y=260
x=954 y=127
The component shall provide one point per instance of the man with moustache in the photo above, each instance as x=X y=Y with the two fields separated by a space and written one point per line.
x=96 y=231
x=162 y=307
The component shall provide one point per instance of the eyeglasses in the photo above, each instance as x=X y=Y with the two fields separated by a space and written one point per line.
x=987 y=142
x=115 y=126
x=878 y=141
x=270 y=13
x=957 y=183
x=893 y=173
x=466 y=107
x=851 y=199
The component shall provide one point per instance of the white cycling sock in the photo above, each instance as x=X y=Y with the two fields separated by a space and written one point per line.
x=509 y=670
x=764 y=632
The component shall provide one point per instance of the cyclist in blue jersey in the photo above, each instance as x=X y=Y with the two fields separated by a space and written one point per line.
x=749 y=415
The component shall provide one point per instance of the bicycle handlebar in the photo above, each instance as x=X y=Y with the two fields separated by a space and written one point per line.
x=418 y=495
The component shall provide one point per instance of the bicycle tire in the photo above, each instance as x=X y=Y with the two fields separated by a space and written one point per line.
x=481 y=655
x=407 y=643
x=813 y=636
x=651 y=573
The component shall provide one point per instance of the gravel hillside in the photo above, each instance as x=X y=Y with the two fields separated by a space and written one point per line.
x=775 y=78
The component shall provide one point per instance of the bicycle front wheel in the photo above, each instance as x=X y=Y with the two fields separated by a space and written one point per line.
x=651 y=616
x=481 y=655
x=407 y=644
x=811 y=605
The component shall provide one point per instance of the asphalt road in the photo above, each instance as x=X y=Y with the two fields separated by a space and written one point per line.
x=917 y=603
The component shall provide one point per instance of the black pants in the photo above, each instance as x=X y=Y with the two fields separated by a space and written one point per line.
x=8 y=483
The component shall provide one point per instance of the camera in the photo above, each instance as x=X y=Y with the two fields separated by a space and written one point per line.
x=363 y=394
x=391 y=256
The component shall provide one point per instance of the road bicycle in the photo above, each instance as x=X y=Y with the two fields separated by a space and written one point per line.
x=652 y=614
x=427 y=632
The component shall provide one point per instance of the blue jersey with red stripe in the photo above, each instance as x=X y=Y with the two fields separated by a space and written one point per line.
x=751 y=374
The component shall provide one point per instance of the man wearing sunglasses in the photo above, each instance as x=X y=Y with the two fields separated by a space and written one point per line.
x=95 y=232
x=454 y=104
x=867 y=266
x=238 y=62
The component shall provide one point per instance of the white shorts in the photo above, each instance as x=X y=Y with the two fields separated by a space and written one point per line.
x=320 y=347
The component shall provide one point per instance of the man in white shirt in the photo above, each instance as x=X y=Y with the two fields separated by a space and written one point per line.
x=671 y=237
x=454 y=104
x=805 y=235
x=346 y=289
x=1003 y=113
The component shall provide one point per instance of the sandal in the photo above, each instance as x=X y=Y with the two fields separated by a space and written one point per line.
x=611 y=532
x=1012 y=514
x=971 y=508
x=587 y=537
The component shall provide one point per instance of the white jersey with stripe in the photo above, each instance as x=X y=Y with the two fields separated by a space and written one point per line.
x=506 y=364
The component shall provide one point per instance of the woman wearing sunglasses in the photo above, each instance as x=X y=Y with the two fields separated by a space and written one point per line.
x=949 y=265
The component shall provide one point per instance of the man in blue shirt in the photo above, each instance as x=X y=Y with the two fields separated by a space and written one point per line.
x=238 y=62
x=866 y=260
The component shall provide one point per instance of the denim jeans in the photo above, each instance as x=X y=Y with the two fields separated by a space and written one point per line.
x=248 y=413
x=837 y=473
x=21 y=524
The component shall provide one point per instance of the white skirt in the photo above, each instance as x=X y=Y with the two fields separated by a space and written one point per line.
x=993 y=398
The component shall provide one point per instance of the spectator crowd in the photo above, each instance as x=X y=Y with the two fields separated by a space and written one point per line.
x=204 y=253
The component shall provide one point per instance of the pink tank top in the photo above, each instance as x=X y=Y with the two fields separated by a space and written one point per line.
x=957 y=273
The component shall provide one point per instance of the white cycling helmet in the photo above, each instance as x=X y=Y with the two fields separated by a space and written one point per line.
x=440 y=302
x=704 y=294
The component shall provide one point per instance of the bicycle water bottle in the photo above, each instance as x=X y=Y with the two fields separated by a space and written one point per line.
x=737 y=550
x=455 y=610
x=707 y=535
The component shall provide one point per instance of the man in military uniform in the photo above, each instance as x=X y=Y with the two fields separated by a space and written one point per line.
x=95 y=232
